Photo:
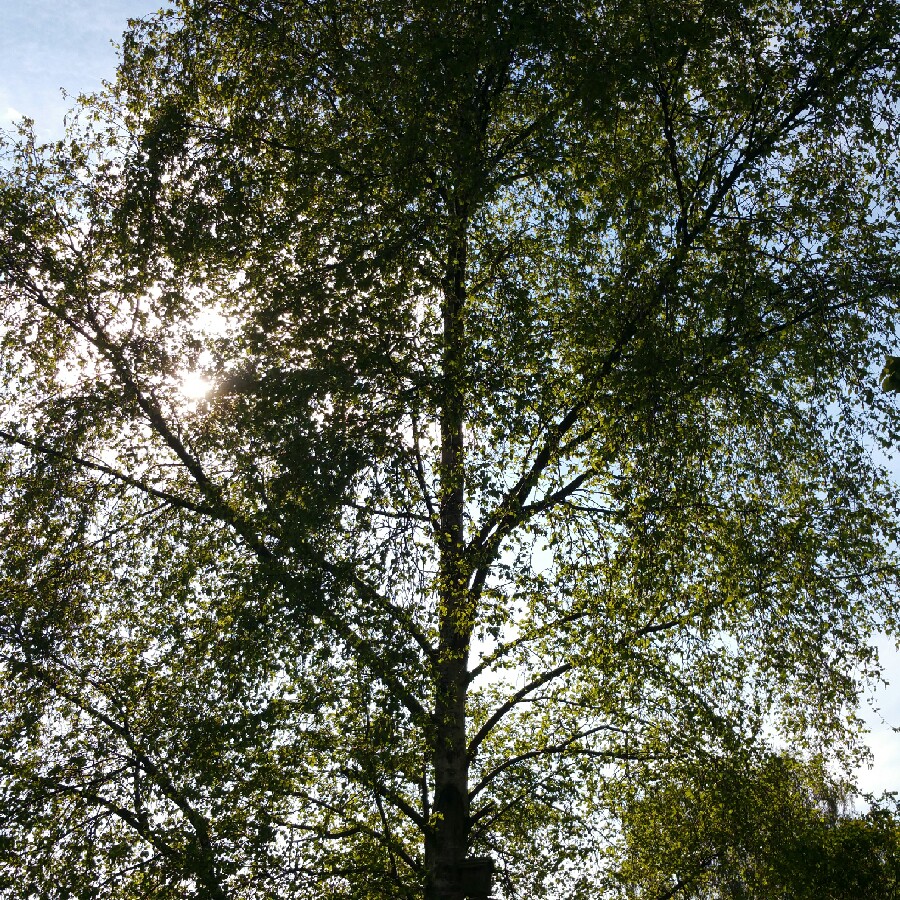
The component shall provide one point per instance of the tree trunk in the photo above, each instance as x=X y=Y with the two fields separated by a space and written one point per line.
x=446 y=845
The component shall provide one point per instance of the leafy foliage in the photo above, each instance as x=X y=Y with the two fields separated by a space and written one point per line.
x=767 y=828
x=540 y=444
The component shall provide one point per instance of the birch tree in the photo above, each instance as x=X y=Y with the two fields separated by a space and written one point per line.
x=535 y=436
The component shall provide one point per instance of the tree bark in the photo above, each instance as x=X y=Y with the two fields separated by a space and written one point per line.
x=447 y=842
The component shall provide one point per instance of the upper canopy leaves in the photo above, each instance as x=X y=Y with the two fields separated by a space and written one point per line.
x=671 y=231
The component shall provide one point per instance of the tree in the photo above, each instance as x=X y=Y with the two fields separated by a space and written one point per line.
x=543 y=342
x=768 y=827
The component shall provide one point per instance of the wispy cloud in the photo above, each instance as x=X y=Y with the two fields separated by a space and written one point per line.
x=46 y=45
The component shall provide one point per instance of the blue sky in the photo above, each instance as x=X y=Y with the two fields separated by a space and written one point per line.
x=884 y=741
x=46 y=45
x=49 y=45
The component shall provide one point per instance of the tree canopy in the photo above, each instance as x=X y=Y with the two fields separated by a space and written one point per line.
x=542 y=454
x=755 y=827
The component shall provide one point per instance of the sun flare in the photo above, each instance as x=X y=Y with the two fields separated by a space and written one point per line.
x=194 y=385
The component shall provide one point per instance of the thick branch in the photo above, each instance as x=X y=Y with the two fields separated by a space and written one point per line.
x=46 y=450
x=554 y=749
x=205 y=872
x=394 y=799
x=516 y=698
x=509 y=512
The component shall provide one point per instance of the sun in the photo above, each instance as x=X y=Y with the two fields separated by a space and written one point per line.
x=194 y=385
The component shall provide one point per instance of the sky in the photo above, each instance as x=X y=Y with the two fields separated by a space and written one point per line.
x=49 y=45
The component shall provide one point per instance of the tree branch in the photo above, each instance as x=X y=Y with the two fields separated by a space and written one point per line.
x=555 y=749
x=46 y=450
x=516 y=698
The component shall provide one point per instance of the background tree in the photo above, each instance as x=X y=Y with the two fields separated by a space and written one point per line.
x=768 y=827
x=543 y=341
